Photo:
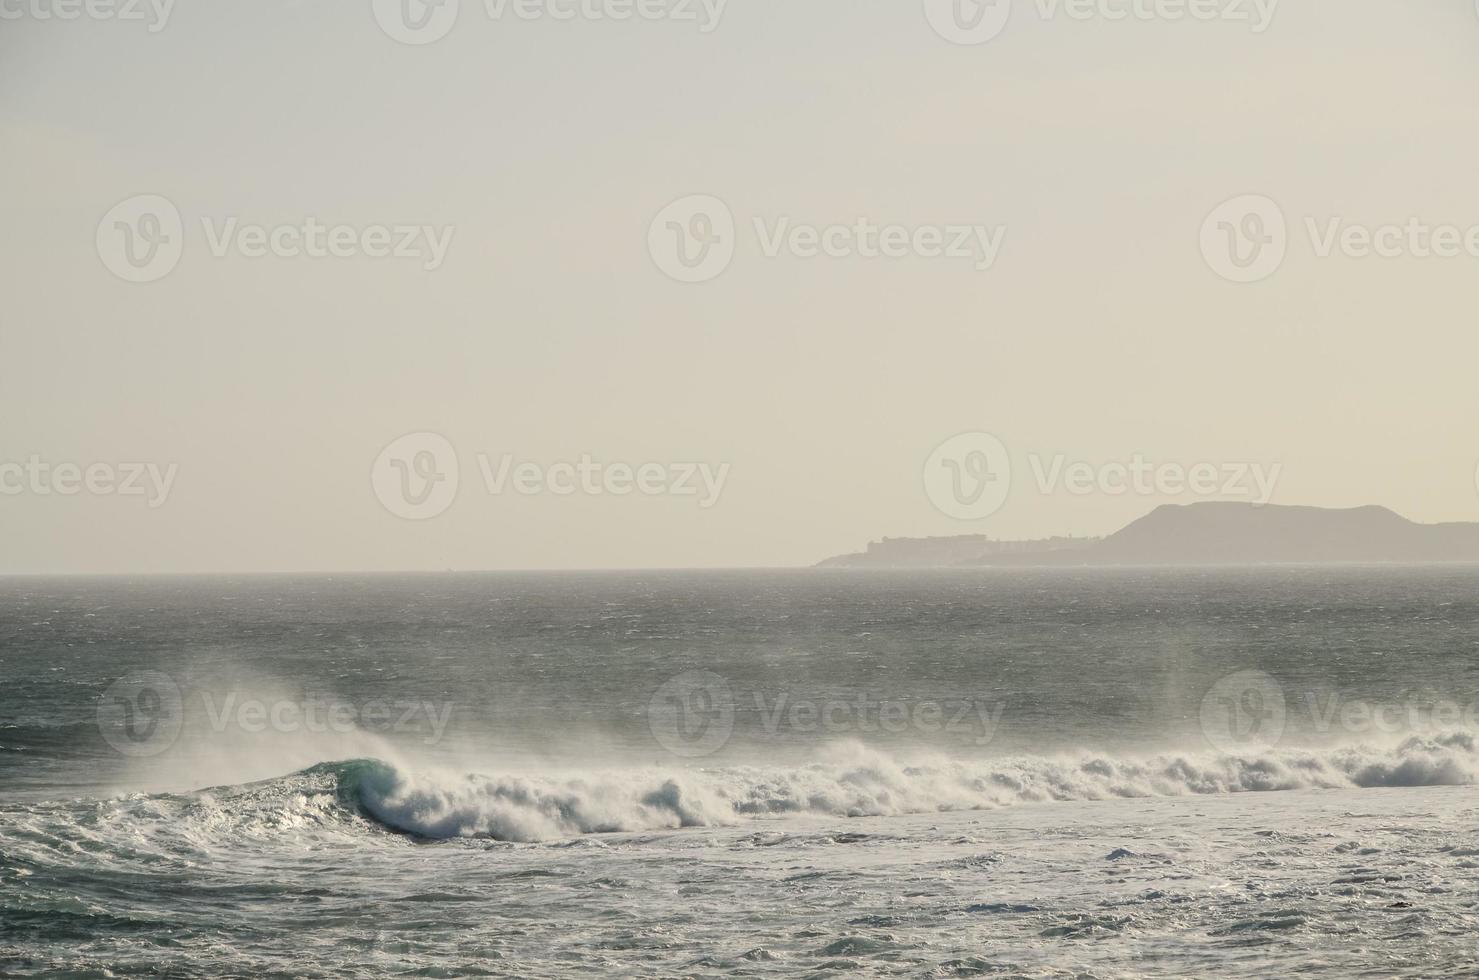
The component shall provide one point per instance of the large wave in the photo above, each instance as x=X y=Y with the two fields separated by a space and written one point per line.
x=339 y=804
x=853 y=781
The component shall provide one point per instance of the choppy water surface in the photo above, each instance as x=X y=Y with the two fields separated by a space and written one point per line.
x=1100 y=773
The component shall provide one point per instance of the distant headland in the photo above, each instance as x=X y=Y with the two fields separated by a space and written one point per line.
x=1210 y=533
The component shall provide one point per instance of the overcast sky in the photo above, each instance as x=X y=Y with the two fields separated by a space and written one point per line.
x=539 y=322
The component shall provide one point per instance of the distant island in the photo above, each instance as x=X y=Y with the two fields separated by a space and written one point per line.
x=1211 y=533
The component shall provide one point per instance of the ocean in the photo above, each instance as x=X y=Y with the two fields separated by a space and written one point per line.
x=987 y=772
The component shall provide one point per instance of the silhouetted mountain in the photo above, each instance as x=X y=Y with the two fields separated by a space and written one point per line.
x=1208 y=534
x=1234 y=533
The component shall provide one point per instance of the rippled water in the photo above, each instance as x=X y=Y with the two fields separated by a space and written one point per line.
x=1055 y=773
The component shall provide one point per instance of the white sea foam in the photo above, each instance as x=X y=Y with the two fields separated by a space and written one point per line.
x=854 y=781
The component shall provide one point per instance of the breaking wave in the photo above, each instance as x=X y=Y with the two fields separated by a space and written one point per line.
x=853 y=781
x=339 y=803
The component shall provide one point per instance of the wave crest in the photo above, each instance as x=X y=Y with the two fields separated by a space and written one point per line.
x=854 y=781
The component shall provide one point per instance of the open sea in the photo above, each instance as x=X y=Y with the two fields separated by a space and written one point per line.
x=988 y=772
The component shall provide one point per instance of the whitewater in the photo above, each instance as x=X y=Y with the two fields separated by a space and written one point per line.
x=855 y=782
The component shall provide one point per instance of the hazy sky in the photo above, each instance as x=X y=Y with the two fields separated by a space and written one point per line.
x=549 y=331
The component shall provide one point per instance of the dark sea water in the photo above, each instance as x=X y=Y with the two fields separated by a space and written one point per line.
x=998 y=772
